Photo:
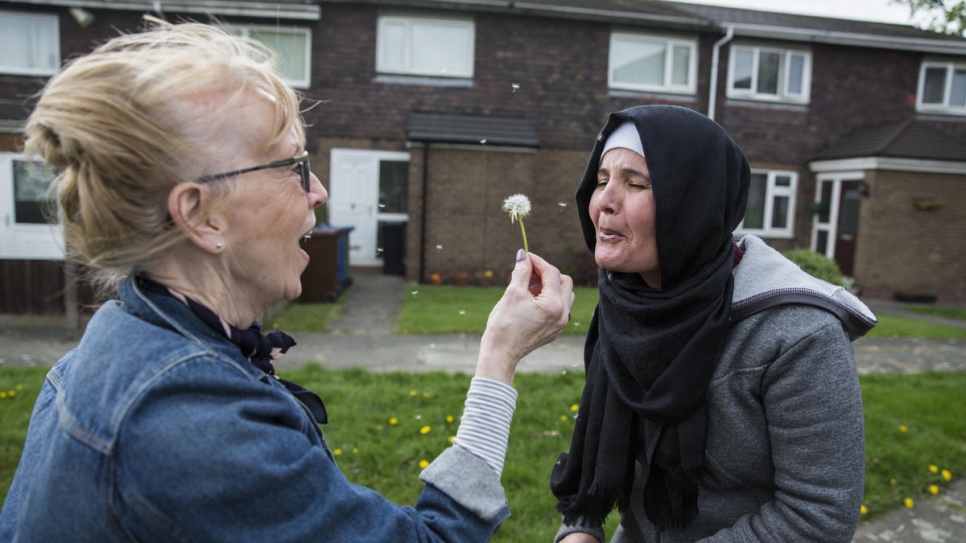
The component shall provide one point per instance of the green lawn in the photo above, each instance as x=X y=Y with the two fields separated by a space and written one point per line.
x=373 y=451
x=431 y=309
x=893 y=326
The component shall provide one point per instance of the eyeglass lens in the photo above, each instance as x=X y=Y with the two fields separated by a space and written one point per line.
x=305 y=171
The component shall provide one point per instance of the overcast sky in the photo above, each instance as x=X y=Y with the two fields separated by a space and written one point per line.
x=868 y=10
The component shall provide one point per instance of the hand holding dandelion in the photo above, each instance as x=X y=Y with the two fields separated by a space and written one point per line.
x=518 y=206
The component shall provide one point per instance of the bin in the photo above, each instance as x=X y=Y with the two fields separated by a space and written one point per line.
x=327 y=274
x=392 y=235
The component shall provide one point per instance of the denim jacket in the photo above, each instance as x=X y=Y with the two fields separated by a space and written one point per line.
x=157 y=429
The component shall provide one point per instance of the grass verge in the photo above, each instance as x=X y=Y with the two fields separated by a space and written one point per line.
x=429 y=309
x=893 y=326
x=377 y=427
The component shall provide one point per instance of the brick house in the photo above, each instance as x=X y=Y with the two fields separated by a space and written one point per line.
x=855 y=131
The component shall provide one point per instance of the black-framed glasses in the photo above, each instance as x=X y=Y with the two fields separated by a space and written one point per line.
x=300 y=161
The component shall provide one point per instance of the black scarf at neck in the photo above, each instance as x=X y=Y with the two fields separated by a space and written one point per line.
x=650 y=354
x=256 y=347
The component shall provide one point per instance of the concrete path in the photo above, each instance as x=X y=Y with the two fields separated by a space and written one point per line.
x=361 y=337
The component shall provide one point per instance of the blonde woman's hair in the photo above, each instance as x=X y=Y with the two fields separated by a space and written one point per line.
x=137 y=116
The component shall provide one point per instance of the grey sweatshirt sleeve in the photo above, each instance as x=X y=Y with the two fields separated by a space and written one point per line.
x=813 y=406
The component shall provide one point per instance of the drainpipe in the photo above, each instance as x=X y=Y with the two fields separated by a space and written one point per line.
x=422 y=219
x=713 y=92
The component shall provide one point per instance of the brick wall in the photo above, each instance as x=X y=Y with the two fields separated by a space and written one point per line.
x=911 y=237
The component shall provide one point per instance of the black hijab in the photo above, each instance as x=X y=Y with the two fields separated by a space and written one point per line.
x=650 y=354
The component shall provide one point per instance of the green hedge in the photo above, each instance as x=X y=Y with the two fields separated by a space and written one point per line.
x=816 y=264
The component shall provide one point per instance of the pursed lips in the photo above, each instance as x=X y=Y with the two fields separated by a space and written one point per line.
x=607 y=234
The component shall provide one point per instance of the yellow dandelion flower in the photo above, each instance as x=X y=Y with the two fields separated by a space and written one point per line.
x=864 y=510
x=424 y=464
x=424 y=430
x=393 y=421
x=412 y=392
x=564 y=417
x=451 y=438
x=574 y=407
x=393 y=397
x=892 y=482
x=933 y=468
x=19 y=387
x=933 y=489
x=337 y=452
x=425 y=394
x=947 y=475
x=355 y=450
x=903 y=428
x=449 y=418
x=12 y=393
x=909 y=503
x=3 y=395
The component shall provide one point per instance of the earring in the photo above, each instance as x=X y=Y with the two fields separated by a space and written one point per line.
x=218 y=246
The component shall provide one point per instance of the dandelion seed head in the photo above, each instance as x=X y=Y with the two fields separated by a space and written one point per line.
x=462 y=311
x=518 y=206
x=483 y=141
x=439 y=247
x=415 y=292
x=515 y=87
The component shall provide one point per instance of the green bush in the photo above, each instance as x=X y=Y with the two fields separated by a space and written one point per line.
x=816 y=264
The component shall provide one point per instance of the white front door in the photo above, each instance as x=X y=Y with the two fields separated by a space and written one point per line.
x=354 y=199
x=25 y=233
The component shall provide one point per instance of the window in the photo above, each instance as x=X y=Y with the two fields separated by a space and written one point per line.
x=29 y=44
x=651 y=63
x=771 y=204
x=942 y=88
x=779 y=75
x=26 y=229
x=428 y=47
x=293 y=45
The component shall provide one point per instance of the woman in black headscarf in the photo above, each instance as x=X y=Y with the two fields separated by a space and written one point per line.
x=721 y=399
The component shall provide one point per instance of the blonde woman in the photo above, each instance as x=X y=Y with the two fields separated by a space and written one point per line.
x=186 y=186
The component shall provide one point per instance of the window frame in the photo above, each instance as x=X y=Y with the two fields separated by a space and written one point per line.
x=19 y=70
x=773 y=191
x=245 y=32
x=783 y=95
x=669 y=42
x=945 y=108
x=383 y=67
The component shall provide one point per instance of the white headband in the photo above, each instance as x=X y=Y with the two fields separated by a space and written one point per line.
x=626 y=137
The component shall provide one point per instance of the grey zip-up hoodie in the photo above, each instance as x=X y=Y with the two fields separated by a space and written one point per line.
x=785 y=452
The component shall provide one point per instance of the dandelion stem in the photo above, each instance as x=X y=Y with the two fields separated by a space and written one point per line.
x=524 y=231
